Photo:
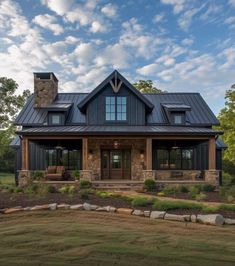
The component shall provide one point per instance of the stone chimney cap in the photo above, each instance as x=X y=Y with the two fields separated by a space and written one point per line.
x=45 y=75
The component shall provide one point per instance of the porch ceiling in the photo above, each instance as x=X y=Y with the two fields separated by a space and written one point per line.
x=119 y=130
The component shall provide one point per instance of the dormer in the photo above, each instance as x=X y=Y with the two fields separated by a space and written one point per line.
x=176 y=113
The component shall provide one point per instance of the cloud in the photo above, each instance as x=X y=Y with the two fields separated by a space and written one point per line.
x=232 y=2
x=178 y=5
x=60 y=7
x=187 y=41
x=109 y=10
x=148 y=70
x=48 y=22
x=159 y=17
x=97 y=26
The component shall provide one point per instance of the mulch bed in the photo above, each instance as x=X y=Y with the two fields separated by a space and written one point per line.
x=8 y=200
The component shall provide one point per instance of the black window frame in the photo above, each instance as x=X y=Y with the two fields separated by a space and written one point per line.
x=168 y=165
x=181 y=114
x=116 y=112
x=61 y=118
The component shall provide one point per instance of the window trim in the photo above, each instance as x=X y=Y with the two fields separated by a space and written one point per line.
x=61 y=118
x=116 y=121
x=183 y=118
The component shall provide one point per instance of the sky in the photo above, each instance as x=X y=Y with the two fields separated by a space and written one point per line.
x=181 y=45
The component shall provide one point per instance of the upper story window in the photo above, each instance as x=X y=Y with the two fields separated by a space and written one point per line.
x=178 y=118
x=55 y=119
x=115 y=108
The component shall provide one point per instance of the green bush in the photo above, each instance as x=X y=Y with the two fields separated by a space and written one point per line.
x=31 y=188
x=141 y=202
x=170 y=190
x=161 y=194
x=200 y=196
x=150 y=185
x=38 y=175
x=194 y=191
x=228 y=193
x=208 y=188
x=76 y=174
x=85 y=184
x=227 y=207
x=103 y=194
x=84 y=194
x=183 y=189
x=71 y=190
x=173 y=205
x=18 y=190
x=51 y=189
x=210 y=209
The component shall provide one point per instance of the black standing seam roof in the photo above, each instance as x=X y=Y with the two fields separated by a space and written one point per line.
x=199 y=115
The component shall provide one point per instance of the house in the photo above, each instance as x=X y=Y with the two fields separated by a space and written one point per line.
x=117 y=133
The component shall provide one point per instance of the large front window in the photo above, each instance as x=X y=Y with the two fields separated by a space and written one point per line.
x=115 y=108
x=180 y=158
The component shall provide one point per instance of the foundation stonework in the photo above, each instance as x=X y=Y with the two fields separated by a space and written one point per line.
x=24 y=177
x=177 y=174
x=212 y=177
x=136 y=146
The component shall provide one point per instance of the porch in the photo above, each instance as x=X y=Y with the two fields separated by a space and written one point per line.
x=164 y=159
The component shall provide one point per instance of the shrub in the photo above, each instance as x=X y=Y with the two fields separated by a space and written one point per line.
x=85 y=184
x=170 y=190
x=38 y=175
x=31 y=188
x=18 y=190
x=76 y=174
x=141 y=202
x=165 y=205
x=227 y=207
x=200 y=196
x=84 y=194
x=63 y=189
x=208 y=188
x=194 y=191
x=161 y=194
x=103 y=194
x=51 y=189
x=183 y=189
x=71 y=190
x=228 y=193
x=210 y=209
x=150 y=185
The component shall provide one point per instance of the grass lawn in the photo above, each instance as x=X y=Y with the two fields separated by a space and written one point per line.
x=7 y=178
x=88 y=238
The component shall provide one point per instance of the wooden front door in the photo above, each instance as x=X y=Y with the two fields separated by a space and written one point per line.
x=116 y=164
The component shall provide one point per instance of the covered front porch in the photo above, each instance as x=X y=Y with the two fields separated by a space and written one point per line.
x=122 y=158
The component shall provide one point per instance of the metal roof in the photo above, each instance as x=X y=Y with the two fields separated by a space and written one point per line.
x=15 y=142
x=176 y=106
x=58 y=106
x=124 y=130
x=199 y=115
x=220 y=144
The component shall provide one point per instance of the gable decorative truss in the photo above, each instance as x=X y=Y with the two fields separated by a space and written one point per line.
x=115 y=79
x=117 y=83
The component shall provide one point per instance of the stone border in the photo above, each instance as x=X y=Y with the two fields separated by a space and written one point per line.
x=208 y=219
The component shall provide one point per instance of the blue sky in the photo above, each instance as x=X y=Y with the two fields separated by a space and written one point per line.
x=182 y=45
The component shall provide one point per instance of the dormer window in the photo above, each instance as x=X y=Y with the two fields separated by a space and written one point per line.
x=178 y=118
x=115 y=108
x=56 y=119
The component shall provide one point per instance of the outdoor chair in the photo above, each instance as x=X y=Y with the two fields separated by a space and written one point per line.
x=55 y=173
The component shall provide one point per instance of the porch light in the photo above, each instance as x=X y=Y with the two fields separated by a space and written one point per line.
x=59 y=147
x=115 y=144
x=141 y=154
x=175 y=147
x=90 y=154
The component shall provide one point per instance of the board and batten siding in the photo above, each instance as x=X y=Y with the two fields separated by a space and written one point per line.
x=96 y=108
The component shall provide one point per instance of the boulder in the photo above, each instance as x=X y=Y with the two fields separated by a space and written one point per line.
x=157 y=215
x=12 y=210
x=111 y=209
x=176 y=217
x=193 y=218
x=102 y=209
x=40 y=207
x=147 y=213
x=94 y=207
x=76 y=207
x=138 y=213
x=52 y=206
x=229 y=221
x=124 y=211
x=212 y=219
x=27 y=208
x=87 y=206
x=187 y=218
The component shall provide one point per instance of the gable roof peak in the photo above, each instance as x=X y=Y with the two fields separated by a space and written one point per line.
x=116 y=80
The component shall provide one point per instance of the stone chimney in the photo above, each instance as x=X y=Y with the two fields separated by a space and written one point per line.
x=45 y=89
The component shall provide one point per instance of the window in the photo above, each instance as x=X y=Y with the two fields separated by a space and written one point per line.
x=178 y=118
x=110 y=107
x=51 y=157
x=55 y=119
x=121 y=108
x=175 y=159
x=115 y=108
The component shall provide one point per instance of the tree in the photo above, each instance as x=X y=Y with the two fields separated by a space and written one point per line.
x=10 y=103
x=146 y=86
x=227 y=123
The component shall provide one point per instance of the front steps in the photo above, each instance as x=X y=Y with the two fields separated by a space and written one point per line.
x=118 y=185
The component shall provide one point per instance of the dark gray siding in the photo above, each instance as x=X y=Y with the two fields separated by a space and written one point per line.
x=96 y=108
x=202 y=156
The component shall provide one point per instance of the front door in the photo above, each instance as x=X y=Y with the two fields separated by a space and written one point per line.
x=116 y=164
